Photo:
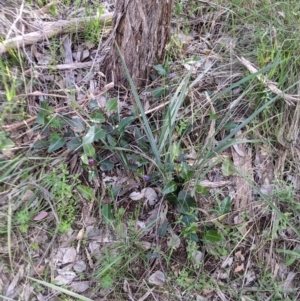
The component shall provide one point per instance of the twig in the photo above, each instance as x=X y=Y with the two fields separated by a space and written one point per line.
x=289 y=99
x=50 y=29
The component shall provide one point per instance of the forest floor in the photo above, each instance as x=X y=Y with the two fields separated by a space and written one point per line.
x=188 y=189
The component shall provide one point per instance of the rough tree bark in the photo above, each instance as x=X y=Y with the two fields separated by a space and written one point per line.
x=142 y=31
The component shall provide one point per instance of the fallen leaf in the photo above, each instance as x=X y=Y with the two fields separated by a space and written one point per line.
x=27 y=195
x=69 y=255
x=239 y=268
x=80 y=234
x=65 y=277
x=173 y=241
x=150 y=195
x=157 y=278
x=197 y=258
x=40 y=216
x=79 y=266
x=136 y=196
x=239 y=255
x=80 y=286
x=227 y=262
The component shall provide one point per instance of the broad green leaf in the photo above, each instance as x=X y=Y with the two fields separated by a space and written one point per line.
x=162 y=230
x=95 y=133
x=6 y=144
x=90 y=136
x=228 y=168
x=193 y=237
x=87 y=192
x=290 y=260
x=93 y=104
x=89 y=150
x=44 y=112
x=188 y=220
x=38 y=144
x=107 y=165
x=56 y=142
x=111 y=140
x=230 y=125
x=84 y=158
x=170 y=187
x=76 y=123
x=75 y=143
x=225 y=205
x=125 y=122
x=106 y=213
x=160 y=91
x=112 y=104
x=161 y=70
x=172 y=198
x=212 y=236
x=185 y=202
x=99 y=133
x=97 y=116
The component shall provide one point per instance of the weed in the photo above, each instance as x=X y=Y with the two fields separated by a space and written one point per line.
x=61 y=187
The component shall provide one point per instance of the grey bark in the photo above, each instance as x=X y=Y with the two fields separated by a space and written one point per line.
x=142 y=31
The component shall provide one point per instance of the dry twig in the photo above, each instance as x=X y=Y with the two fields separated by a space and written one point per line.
x=50 y=29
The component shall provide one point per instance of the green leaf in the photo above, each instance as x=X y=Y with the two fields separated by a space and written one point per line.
x=76 y=123
x=161 y=70
x=193 y=237
x=87 y=192
x=170 y=187
x=97 y=116
x=160 y=91
x=125 y=122
x=225 y=205
x=228 y=168
x=112 y=104
x=230 y=125
x=90 y=136
x=162 y=230
x=188 y=220
x=44 y=112
x=107 y=165
x=95 y=133
x=213 y=116
x=185 y=202
x=99 y=133
x=111 y=140
x=192 y=60
x=38 y=144
x=75 y=143
x=106 y=213
x=89 y=151
x=212 y=236
x=93 y=104
x=202 y=190
x=84 y=158
x=6 y=144
x=56 y=142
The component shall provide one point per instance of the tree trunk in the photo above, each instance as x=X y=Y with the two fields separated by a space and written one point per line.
x=142 y=31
